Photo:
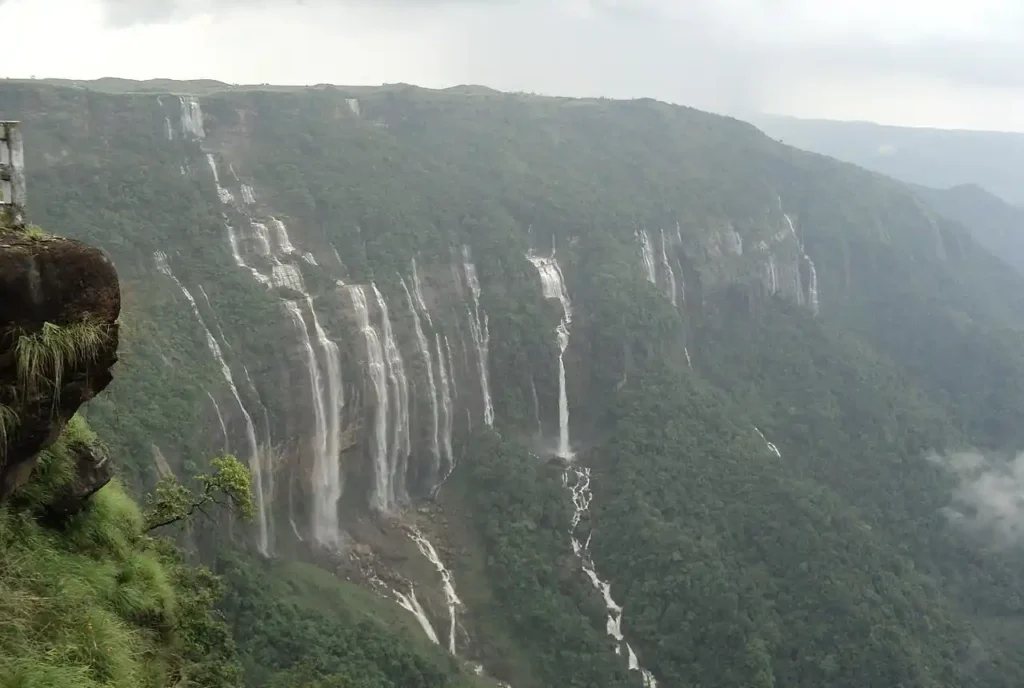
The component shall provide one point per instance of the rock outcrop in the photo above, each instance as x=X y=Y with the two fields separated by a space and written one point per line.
x=93 y=470
x=59 y=304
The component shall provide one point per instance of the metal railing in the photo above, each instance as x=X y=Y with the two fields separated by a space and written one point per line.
x=12 y=174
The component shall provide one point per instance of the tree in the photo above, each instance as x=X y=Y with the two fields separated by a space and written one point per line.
x=229 y=485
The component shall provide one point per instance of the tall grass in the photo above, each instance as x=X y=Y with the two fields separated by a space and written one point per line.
x=55 y=466
x=8 y=424
x=85 y=608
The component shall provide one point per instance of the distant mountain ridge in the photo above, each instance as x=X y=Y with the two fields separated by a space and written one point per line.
x=930 y=157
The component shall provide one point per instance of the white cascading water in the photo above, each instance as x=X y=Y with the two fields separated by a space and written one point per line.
x=668 y=269
x=772 y=275
x=328 y=478
x=255 y=458
x=327 y=486
x=398 y=456
x=192 y=117
x=417 y=291
x=447 y=584
x=220 y=420
x=812 y=286
x=421 y=339
x=284 y=242
x=480 y=330
x=647 y=250
x=324 y=369
x=553 y=287
x=223 y=194
x=446 y=406
x=168 y=129
x=771 y=447
x=581 y=498
x=413 y=606
x=248 y=195
x=383 y=495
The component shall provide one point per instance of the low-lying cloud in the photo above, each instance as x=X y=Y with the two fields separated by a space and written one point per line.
x=988 y=501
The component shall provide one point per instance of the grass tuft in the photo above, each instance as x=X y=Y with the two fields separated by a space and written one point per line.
x=8 y=424
x=44 y=356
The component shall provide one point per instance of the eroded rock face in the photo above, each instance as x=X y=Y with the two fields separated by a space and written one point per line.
x=93 y=470
x=65 y=283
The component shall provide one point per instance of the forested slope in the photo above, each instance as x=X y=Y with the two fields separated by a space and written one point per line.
x=564 y=343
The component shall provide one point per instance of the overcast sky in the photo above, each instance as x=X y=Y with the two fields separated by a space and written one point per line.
x=950 y=63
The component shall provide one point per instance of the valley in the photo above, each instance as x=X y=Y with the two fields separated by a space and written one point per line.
x=545 y=391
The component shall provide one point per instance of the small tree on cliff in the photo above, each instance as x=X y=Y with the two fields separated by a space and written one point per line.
x=228 y=485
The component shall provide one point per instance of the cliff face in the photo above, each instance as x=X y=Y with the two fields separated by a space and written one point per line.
x=59 y=304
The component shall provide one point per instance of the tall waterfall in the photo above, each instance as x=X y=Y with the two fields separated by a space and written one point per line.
x=323 y=367
x=421 y=339
x=668 y=269
x=481 y=333
x=647 y=250
x=398 y=456
x=812 y=282
x=812 y=285
x=446 y=405
x=581 y=498
x=192 y=117
x=383 y=496
x=255 y=458
x=553 y=287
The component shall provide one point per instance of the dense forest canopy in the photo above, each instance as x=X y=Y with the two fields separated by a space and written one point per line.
x=791 y=391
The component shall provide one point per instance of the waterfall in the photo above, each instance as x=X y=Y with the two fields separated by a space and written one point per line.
x=553 y=287
x=421 y=338
x=283 y=241
x=772 y=275
x=417 y=291
x=326 y=474
x=192 y=117
x=447 y=585
x=668 y=269
x=220 y=419
x=223 y=194
x=248 y=195
x=812 y=285
x=400 y=446
x=446 y=405
x=255 y=459
x=168 y=129
x=383 y=497
x=324 y=370
x=771 y=447
x=481 y=333
x=647 y=250
x=413 y=606
x=581 y=499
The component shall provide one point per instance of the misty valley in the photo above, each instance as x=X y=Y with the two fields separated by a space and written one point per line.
x=391 y=387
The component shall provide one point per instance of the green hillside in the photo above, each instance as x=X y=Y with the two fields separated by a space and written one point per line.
x=770 y=360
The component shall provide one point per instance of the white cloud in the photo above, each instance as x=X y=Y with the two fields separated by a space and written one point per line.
x=942 y=62
x=988 y=502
